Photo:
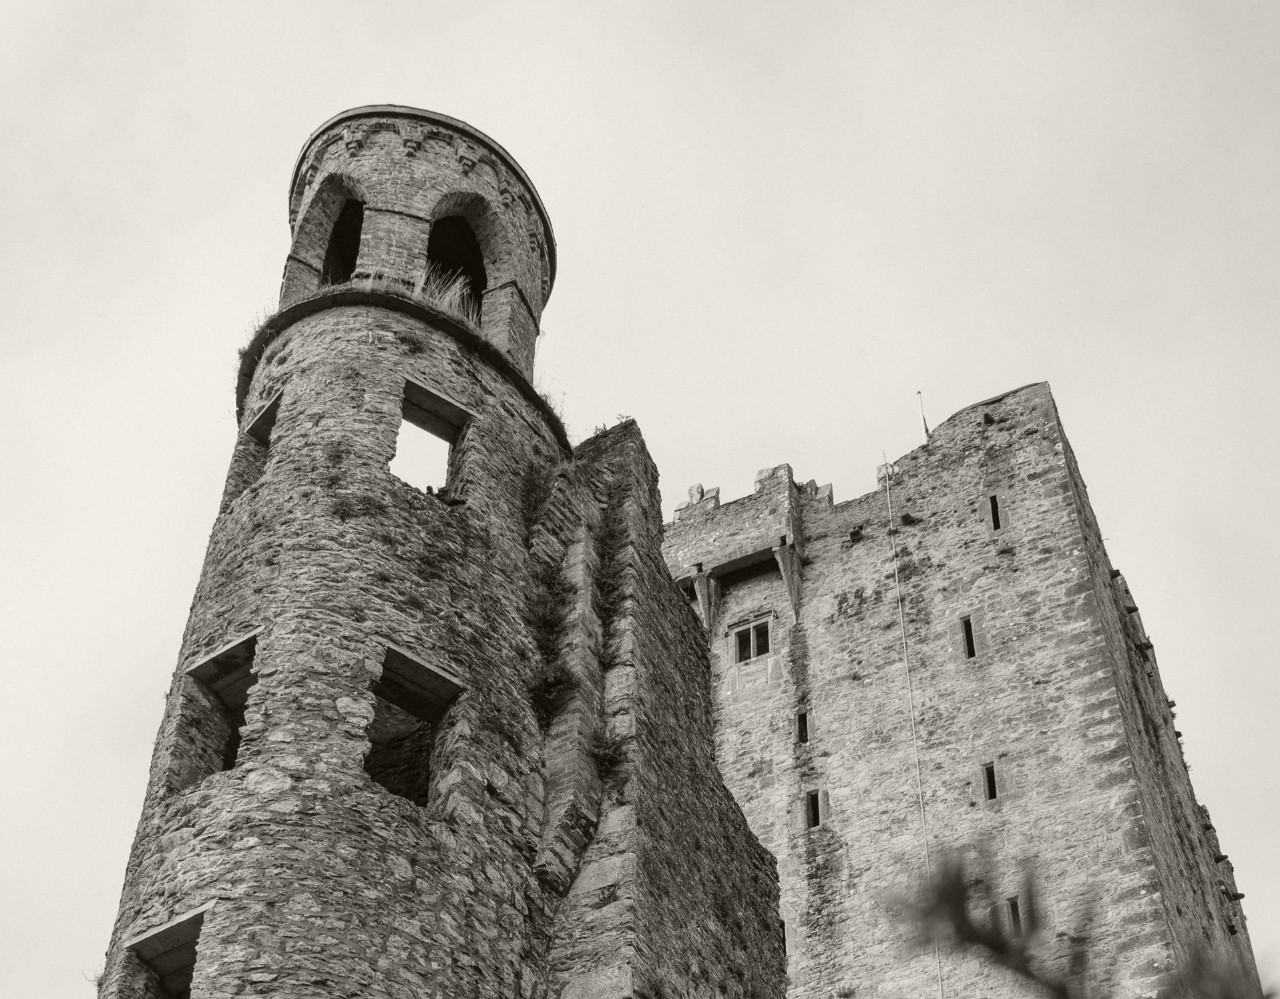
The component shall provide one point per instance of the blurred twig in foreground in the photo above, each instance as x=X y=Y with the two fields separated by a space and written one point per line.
x=946 y=912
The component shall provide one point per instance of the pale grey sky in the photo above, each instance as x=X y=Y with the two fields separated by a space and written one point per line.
x=776 y=223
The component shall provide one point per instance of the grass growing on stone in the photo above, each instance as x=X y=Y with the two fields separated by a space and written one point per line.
x=546 y=610
x=550 y=687
x=448 y=293
x=609 y=589
x=536 y=487
x=608 y=752
x=498 y=719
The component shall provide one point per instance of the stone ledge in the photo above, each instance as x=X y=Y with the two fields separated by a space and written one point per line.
x=465 y=335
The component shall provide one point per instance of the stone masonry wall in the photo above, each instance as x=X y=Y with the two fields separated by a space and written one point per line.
x=540 y=817
x=701 y=931
x=333 y=557
x=1195 y=879
x=410 y=168
x=1041 y=700
x=325 y=880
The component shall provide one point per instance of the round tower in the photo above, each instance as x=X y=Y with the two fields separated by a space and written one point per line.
x=440 y=724
x=347 y=726
x=396 y=198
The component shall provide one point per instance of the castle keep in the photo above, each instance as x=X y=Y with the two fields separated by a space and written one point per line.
x=488 y=728
x=951 y=664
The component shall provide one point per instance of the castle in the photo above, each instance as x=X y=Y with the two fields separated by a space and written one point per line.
x=497 y=731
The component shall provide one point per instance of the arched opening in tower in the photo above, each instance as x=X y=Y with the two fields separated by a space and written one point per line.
x=344 y=244
x=453 y=252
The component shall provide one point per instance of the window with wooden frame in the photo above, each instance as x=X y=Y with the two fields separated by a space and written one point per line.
x=751 y=641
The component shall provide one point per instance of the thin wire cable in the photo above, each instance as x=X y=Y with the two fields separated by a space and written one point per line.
x=911 y=700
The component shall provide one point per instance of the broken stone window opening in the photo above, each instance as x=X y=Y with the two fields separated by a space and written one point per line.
x=752 y=641
x=995 y=511
x=252 y=448
x=452 y=249
x=344 y=244
x=970 y=647
x=214 y=719
x=430 y=425
x=802 y=726
x=170 y=951
x=989 y=780
x=260 y=426
x=410 y=700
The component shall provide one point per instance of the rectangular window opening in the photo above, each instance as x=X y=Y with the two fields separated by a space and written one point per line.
x=170 y=951
x=970 y=648
x=260 y=426
x=410 y=701
x=812 y=812
x=1015 y=918
x=421 y=458
x=751 y=641
x=989 y=780
x=430 y=425
x=995 y=512
x=802 y=727
x=213 y=709
x=249 y=460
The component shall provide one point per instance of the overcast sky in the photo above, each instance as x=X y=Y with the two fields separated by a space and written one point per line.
x=775 y=223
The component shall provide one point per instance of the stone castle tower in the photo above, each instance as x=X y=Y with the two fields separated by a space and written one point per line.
x=446 y=739
x=950 y=665
x=471 y=728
